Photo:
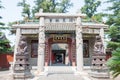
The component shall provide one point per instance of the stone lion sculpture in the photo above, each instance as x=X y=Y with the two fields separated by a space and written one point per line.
x=98 y=47
x=22 y=46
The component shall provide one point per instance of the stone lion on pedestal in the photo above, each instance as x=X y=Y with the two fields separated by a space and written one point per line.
x=98 y=47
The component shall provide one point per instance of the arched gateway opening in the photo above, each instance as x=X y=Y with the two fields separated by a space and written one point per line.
x=59 y=55
x=59 y=52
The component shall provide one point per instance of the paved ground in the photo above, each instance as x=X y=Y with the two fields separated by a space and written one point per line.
x=61 y=77
x=6 y=75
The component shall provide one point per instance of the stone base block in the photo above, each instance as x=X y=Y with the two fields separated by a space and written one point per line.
x=99 y=74
x=73 y=64
x=22 y=75
x=46 y=63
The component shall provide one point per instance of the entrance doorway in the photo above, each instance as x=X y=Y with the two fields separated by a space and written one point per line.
x=59 y=54
x=59 y=58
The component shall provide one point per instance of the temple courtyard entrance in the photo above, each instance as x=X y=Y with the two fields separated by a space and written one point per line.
x=60 y=55
x=58 y=43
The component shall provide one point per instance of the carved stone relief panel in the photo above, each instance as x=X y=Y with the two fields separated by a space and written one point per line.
x=29 y=31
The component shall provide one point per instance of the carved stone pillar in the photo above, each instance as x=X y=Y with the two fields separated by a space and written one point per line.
x=41 y=45
x=73 y=51
x=18 y=34
x=50 y=53
x=67 y=56
x=79 y=45
x=102 y=37
x=46 y=52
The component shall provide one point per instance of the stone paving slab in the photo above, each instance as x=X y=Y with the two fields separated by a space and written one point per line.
x=6 y=75
x=61 y=77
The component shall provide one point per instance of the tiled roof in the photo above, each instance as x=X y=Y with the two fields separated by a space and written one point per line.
x=67 y=26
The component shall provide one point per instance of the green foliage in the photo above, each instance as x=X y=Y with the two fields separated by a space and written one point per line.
x=52 y=5
x=114 y=63
x=97 y=18
x=4 y=45
x=26 y=9
x=90 y=7
x=114 y=33
x=114 y=18
x=115 y=6
x=113 y=45
x=64 y=6
x=114 y=22
x=11 y=23
x=46 y=5
x=1 y=23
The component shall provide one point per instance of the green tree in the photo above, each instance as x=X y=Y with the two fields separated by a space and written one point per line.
x=114 y=33
x=98 y=17
x=114 y=63
x=90 y=7
x=4 y=43
x=52 y=5
x=114 y=23
x=114 y=17
x=64 y=6
x=26 y=9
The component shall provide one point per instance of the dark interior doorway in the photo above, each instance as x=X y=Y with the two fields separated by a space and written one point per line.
x=58 y=56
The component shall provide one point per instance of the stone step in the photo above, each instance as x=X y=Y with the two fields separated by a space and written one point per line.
x=60 y=69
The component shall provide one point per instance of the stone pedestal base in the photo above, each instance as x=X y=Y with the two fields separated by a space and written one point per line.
x=73 y=64
x=99 y=74
x=11 y=66
x=46 y=63
x=25 y=75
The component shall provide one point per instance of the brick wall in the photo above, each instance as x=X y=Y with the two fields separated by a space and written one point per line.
x=5 y=59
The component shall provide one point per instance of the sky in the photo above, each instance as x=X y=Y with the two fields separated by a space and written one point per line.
x=12 y=12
